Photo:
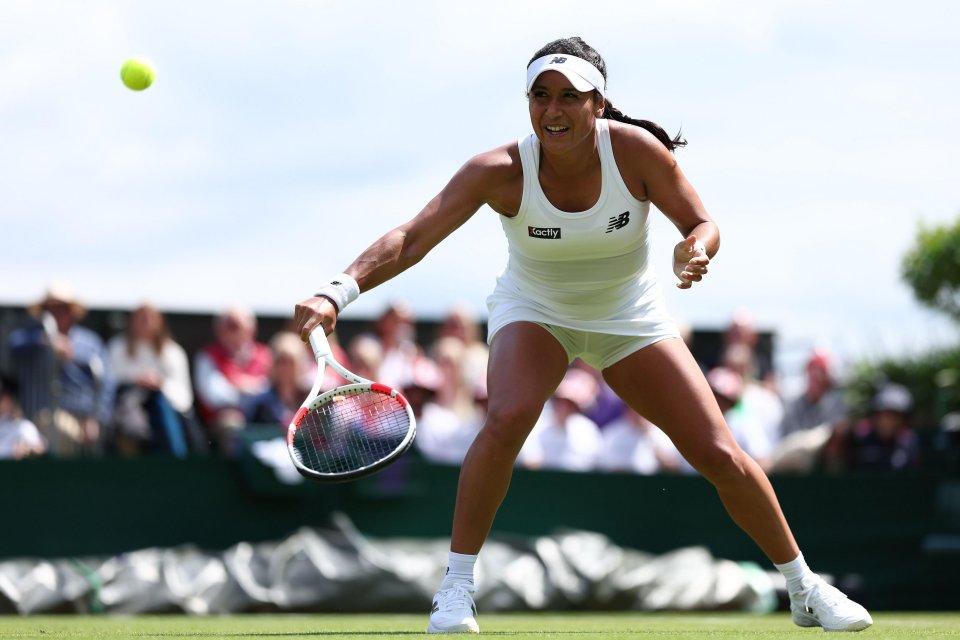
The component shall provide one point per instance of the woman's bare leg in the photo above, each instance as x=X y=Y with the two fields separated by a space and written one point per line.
x=664 y=383
x=526 y=365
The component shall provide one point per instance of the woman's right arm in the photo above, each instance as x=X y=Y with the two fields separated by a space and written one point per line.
x=402 y=247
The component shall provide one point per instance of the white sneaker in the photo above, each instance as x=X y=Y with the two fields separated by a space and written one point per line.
x=453 y=610
x=822 y=605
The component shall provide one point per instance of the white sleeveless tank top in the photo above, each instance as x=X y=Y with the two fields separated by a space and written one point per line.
x=587 y=270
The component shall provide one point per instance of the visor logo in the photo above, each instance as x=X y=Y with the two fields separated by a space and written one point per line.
x=547 y=233
x=558 y=60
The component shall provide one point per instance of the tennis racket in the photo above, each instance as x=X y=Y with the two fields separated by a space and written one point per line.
x=350 y=431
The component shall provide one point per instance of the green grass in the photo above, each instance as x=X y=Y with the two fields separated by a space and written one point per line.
x=607 y=626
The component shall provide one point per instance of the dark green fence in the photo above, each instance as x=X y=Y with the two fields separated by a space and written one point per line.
x=897 y=536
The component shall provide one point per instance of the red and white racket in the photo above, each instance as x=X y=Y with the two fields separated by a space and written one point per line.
x=350 y=431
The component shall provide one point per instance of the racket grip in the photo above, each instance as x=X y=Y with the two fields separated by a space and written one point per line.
x=319 y=343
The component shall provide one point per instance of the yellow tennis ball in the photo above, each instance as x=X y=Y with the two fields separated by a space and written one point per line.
x=137 y=73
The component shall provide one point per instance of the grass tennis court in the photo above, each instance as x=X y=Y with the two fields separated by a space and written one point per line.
x=608 y=626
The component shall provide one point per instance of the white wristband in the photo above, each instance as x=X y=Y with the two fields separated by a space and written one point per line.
x=341 y=291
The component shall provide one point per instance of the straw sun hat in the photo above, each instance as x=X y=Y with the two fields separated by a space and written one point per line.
x=58 y=292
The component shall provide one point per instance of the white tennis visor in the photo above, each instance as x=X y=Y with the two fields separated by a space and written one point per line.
x=581 y=74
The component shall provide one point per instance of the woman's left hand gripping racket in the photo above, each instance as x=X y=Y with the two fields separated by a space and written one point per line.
x=350 y=431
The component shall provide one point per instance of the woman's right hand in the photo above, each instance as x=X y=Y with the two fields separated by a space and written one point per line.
x=312 y=313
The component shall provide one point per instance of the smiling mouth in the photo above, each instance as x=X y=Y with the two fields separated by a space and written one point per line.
x=556 y=130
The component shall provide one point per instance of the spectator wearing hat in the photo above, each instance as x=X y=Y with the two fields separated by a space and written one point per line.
x=564 y=438
x=440 y=431
x=814 y=418
x=745 y=422
x=19 y=438
x=757 y=399
x=607 y=406
x=66 y=385
x=885 y=439
x=820 y=403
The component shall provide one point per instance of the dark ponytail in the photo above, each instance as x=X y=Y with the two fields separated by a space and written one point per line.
x=612 y=113
x=577 y=47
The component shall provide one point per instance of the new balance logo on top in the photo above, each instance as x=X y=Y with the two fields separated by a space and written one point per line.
x=549 y=233
x=618 y=222
x=558 y=60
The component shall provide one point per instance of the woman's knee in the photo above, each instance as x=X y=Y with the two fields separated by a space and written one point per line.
x=509 y=424
x=719 y=462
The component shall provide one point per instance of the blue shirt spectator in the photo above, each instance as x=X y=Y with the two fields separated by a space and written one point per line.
x=62 y=366
x=80 y=375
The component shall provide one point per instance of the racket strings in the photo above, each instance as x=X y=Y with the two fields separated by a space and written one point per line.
x=351 y=432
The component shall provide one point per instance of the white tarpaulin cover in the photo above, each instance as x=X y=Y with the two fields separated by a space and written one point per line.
x=341 y=570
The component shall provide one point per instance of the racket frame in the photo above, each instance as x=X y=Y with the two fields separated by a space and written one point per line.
x=324 y=355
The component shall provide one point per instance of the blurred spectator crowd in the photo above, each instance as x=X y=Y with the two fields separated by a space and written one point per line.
x=71 y=393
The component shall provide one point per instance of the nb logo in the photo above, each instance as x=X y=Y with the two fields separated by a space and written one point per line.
x=558 y=60
x=618 y=222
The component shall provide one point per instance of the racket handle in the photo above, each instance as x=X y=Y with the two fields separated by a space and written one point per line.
x=319 y=343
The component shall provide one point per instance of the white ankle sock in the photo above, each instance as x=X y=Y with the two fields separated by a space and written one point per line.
x=797 y=573
x=460 y=568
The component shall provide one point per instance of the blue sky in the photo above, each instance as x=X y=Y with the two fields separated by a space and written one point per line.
x=281 y=138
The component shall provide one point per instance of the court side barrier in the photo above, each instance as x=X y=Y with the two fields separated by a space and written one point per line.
x=891 y=540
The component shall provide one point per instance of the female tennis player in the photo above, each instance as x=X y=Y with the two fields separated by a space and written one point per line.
x=573 y=199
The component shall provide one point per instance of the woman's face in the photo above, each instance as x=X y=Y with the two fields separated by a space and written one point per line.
x=144 y=324
x=286 y=371
x=62 y=313
x=818 y=380
x=234 y=332
x=562 y=117
x=889 y=424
